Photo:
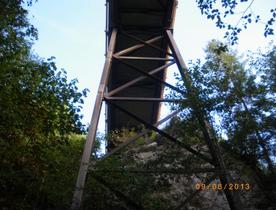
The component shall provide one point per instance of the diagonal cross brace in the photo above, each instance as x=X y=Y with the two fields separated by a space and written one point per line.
x=149 y=75
x=138 y=79
x=180 y=143
x=146 y=43
x=138 y=46
x=134 y=138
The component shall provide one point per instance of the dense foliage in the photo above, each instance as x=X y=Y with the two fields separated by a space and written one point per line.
x=39 y=118
x=239 y=99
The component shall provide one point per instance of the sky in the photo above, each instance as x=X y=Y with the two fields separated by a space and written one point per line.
x=73 y=32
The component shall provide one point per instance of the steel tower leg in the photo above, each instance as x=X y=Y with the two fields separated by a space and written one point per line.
x=77 y=197
x=225 y=178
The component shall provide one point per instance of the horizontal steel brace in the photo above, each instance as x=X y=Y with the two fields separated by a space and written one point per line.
x=143 y=58
x=161 y=171
x=134 y=10
x=141 y=99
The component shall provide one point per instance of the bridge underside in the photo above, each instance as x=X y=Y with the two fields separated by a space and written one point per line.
x=136 y=21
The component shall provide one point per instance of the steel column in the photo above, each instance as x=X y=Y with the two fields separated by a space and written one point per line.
x=77 y=197
x=233 y=198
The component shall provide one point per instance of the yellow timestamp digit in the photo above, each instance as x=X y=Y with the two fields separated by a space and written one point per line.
x=198 y=186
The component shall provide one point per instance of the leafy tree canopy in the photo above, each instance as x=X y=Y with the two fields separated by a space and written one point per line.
x=242 y=97
x=220 y=11
x=39 y=113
